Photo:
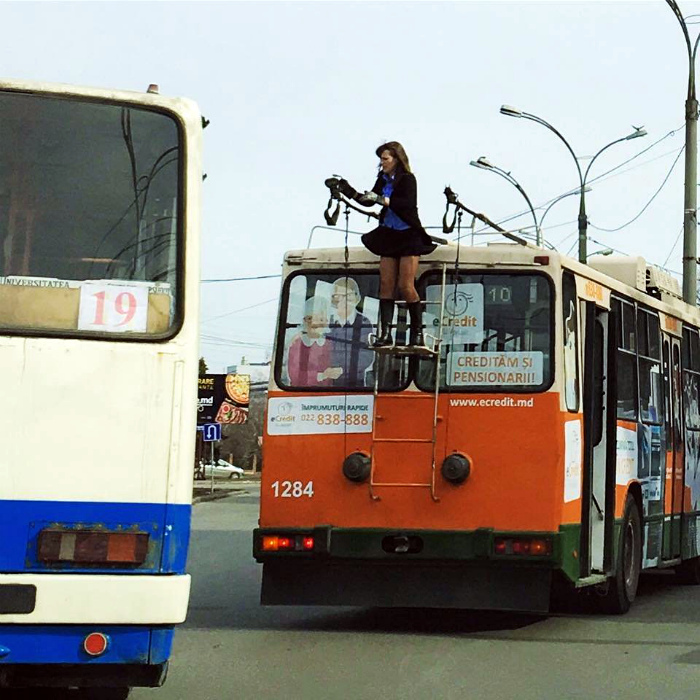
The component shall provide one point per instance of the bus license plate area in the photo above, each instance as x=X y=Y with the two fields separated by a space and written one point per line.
x=17 y=599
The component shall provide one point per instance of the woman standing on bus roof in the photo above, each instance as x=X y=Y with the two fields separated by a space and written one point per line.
x=399 y=239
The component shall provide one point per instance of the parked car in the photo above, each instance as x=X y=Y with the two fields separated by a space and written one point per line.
x=221 y=469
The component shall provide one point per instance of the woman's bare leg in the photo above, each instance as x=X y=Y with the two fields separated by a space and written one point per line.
x=408 y=266
x=388 y=272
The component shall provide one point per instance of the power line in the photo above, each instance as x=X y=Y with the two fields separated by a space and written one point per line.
x=218 y=341
x=642 y=152
x=675 y=243
x=644 y=208
x=595 y=179
x=236 y=311
x=241 y=279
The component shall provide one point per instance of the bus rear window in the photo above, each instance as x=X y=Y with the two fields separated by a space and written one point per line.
x=89 y=223
x=323 y=338
x=497 y=332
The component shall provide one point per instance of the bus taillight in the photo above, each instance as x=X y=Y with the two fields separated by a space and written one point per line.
x=92 y=547
x=522 y=546
x=284 y=543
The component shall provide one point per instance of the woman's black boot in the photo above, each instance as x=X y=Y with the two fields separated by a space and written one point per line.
x=416 y=315
x=386 y=316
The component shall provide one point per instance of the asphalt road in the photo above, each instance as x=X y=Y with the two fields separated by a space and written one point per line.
x=231 y=647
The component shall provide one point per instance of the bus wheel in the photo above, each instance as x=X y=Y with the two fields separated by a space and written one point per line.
x=688 y=572
x=622 y=588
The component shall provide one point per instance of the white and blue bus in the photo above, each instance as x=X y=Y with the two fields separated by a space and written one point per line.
x=99 y=274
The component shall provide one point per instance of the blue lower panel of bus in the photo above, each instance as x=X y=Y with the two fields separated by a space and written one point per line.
x=167 y=525
x=63 y=644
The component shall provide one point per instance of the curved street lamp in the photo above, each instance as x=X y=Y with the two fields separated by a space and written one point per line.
x=582 y=218
x=690 y=205
x=485 y=164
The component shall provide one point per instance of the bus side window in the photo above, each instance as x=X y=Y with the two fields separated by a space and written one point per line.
x=570 y=336
x=626 y=360
x=691 y=373
x=650 y=382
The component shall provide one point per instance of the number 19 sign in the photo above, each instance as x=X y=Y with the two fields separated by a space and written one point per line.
x=116 y=308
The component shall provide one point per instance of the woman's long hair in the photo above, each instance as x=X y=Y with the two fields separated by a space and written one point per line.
x=396 y=150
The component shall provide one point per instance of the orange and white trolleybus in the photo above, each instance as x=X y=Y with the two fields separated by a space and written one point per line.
x=547 y=438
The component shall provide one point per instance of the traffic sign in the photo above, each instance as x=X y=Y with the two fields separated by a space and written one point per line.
x=211 y=432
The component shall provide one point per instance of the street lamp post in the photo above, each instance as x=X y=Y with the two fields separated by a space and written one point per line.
x=484 y=164
x=582 y=218
x=690 y=281
x=558 y=199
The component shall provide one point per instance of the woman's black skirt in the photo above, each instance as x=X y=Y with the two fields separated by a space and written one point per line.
x=390 y=243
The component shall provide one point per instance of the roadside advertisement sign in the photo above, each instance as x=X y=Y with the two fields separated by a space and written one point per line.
x=223 y=398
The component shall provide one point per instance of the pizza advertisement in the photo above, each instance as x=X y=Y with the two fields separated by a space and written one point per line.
x=230 y=414
x=223 y=398
x=238 y=389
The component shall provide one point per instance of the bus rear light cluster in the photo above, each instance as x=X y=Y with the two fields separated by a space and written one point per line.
x=535 y=546
x=95 y=644
x=283 y=543
x=92 y=547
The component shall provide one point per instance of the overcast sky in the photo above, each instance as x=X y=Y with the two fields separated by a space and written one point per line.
x=296 y=91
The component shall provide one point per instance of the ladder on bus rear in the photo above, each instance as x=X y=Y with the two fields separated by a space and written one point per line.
x=431 y=351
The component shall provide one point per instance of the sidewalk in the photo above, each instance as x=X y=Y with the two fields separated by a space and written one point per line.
x=202 y=490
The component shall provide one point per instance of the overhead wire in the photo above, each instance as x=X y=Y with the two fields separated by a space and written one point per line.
x=218 y=340
x=646 y=206
x=675 y=243
x=597 y=178
x=240 y=279
x=236 y=311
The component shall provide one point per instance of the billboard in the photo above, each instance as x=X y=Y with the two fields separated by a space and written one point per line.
x=223 y=398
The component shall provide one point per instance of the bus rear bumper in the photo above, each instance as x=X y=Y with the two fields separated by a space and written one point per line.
x=418 y=584
x=66 y=598
x=82 y=676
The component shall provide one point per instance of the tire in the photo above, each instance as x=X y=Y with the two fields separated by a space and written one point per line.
x=688 y=572
x=622 y=586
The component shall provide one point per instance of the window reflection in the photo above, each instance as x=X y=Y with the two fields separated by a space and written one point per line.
x=88 y=191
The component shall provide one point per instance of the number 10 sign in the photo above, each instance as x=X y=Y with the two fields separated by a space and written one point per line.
x=116 y=308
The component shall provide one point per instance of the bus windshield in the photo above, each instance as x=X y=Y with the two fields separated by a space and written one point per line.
x=497 y=332
x=323 y=341
x=88 y=217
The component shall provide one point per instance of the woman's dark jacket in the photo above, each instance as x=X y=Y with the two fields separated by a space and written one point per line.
x=404 y=202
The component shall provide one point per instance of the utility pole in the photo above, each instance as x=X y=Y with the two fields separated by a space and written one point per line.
x=690 y=219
